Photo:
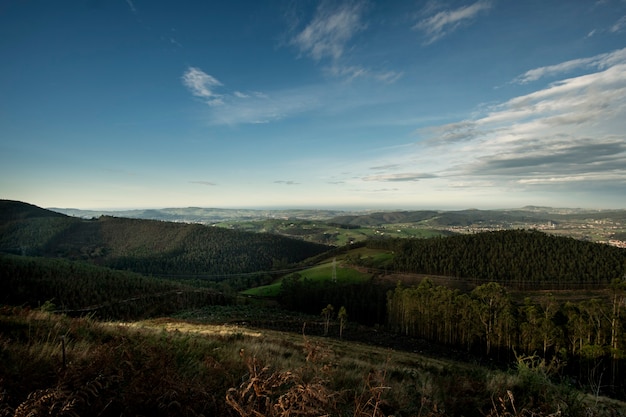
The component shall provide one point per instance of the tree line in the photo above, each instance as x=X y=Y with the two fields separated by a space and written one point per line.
x=586 y=338
x=365 y=301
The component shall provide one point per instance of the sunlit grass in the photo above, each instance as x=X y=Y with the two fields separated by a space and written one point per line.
x=319 y=273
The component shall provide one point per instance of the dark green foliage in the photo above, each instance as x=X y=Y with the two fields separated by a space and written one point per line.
x=16 y=210
x=178 y=249
x=80 y=288
x=146 y=246
x=365 y=301
x=585 y=339
x=521 y=258
x=26 y=229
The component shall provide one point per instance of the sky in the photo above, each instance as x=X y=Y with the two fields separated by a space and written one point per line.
x=117 y=104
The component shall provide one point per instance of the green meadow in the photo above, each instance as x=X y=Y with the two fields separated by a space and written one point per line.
x=318 y=273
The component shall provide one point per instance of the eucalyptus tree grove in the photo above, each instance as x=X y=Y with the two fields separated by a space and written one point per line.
x=588 y=334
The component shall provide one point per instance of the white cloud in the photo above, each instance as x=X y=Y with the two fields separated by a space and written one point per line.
x=401 y=177
x=442 y=23
x=598 y=62
x=235 y=107
x=202 y=85
x=565 y=141
x=327 y=35
x=347 y=72
x=570 y=133
x=619 y=25
x=385 y=167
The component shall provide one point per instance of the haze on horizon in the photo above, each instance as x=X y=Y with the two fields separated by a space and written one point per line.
x=313 y=104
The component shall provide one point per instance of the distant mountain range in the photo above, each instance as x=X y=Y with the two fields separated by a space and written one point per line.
x=202 y=215
x=357 y=218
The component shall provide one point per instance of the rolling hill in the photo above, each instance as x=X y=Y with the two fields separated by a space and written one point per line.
x=146 y=246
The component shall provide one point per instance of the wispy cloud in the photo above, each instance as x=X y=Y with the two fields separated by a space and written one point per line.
x=132 y=6
x=442 y=23
x=352 y=72
x=202 y=85
x=327 y=35
x=173 y=41
x=385 y=167
x=388 y=77
x=260 y=108
x=567 y=138
x=462 y=131
x=347 y=72
x=286 y=182
x=402 y=177
x=598 y=62
x=620 y=25
x=233 y=107
x=569 y=133
x=207 y=183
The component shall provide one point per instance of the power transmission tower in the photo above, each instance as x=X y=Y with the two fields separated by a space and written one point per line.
x=334 y=269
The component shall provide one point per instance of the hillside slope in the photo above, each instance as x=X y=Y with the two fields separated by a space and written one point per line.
x=78 y=288
x=146 y=246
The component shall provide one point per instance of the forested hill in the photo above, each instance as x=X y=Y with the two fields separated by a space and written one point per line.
x=146 y=246
x=522 y=258
x=16 y=210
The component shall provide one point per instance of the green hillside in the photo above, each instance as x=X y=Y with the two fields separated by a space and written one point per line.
x=25 y=229
x=79 y=288
x=319 y=273
x=146 y=246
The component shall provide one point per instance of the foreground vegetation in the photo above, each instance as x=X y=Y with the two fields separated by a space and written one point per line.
x=55 y=365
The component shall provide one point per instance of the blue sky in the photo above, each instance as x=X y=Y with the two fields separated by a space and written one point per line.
x=313 y=104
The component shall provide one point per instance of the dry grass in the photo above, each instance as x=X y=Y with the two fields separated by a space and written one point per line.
x=175 y=368
x=506 y=408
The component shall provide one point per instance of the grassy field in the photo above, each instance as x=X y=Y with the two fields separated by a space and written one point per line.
x=318 y=273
